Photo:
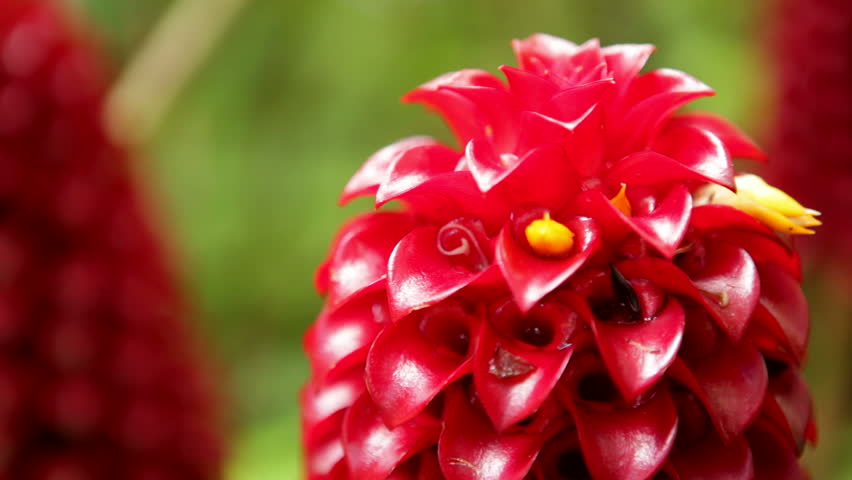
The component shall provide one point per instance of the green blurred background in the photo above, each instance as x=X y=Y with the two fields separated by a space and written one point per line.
x=248 y=162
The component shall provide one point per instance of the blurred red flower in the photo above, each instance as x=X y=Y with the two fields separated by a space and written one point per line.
x=811 y=143
x=97 y=377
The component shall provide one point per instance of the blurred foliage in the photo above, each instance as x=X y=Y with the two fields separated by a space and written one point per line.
x=250 y=161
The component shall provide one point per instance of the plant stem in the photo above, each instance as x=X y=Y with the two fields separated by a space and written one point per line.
x=175 y=49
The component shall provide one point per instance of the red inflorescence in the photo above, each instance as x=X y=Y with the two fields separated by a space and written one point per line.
x=585 y=291
x=812 y=135
x=97 y=377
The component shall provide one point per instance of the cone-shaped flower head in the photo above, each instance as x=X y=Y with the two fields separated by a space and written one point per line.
x=812 y=135
x=97 y=378
x=584 y=290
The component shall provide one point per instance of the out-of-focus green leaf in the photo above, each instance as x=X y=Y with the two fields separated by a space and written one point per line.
x=260 y=455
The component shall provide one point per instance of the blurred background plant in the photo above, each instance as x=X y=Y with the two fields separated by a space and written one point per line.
x=250 y=155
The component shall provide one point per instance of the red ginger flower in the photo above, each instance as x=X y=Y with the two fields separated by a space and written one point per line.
x=579 y=293
x=97 y=380
x=812 y=144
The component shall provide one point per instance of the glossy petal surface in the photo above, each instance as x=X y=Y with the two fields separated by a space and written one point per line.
x=789 y=406
x=414 y=166
x=360 y=254
x=664 y=227
x=679 y=155
x=470 y=449
x=341 y=337
x=734 y=380
x=421 y=275
x=738 y=144
x=531 y=277
x=461 y=114
x=372 y=450
x=406 y=368
x=375 y=170
x=514 y=381
x=321 y=403
x=637 y=355
x=656 y=94
x=783 y=306
x=730 y=281
x=623 y=443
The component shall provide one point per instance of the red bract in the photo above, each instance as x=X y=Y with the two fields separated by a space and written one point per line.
x=97 y=376
x=583 y=289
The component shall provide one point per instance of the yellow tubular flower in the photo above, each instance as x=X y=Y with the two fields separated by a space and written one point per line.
x=621 y=202
x=769 y=205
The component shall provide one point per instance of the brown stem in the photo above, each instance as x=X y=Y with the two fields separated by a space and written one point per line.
x=164 y=64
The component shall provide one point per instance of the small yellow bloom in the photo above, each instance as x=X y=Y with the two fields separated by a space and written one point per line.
x=621 y=202
x=549 y=238
x=769 y=205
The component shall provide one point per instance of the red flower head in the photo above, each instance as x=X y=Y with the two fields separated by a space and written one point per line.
x=97 y=379
x=812 y=135
x=585 y=290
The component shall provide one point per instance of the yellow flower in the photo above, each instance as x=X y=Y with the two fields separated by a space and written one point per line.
x=769 y=205
x=549 y=238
